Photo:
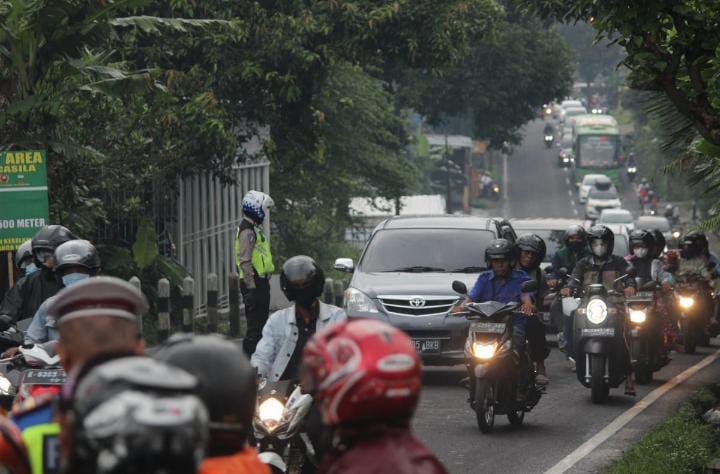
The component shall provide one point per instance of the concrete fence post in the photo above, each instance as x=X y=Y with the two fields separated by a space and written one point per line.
x=188 y=304
x=135 y=281
x=328 y=292
x=163 y=307
x=234 y=302
x=338 y=291
x=212 y=302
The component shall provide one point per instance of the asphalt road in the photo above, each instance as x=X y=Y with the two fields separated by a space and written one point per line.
x=565 y=418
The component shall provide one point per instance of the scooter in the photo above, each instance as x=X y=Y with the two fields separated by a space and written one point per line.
x=279 y=425
x=549 y=140
x=646 y=336
x=598 y=340
x=692 y=322
x=35 y=370
x=501 y=376
x=631 y=173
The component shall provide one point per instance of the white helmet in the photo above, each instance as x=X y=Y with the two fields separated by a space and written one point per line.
x=255 y=204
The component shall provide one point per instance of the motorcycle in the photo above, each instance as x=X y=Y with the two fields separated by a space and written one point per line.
x=495 y=192
x=598 y=340
x=549 y=140
x=35 y=370
x=15 y=335
x=692 y=323
x=646 y=335
x=496 y=369
x=631 y=173
x=279 y=424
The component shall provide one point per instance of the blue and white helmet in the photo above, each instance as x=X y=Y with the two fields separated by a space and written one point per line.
x=255 y=204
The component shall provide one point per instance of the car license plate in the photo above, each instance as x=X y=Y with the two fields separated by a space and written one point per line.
x=645 y=294
x=493 y=328
x=427 y=345
x=598 y=332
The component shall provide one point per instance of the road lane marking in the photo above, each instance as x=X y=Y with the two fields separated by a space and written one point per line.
x=569 y=192
x=575 y=211
x=618 y=423
x=567 y=180
x=572 y=202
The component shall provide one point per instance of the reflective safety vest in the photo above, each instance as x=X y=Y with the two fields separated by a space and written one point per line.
x=261 y=256
x=40 y=433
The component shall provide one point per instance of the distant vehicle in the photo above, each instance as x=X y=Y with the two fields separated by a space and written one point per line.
x=657 y=222
x=403 y=273
x=566 y=157
x=551 y=230
x=600 y=199
x=617 y=216
x=596 y=141
x=588 y=183
x=566 y=104
x=573 y=112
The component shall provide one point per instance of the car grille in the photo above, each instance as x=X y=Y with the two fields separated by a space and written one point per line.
x=417 y=305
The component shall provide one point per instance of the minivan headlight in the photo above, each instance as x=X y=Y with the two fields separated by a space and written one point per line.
x=358 y=302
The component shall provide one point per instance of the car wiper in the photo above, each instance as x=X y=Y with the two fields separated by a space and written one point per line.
x=469 y=270
x=418 y=269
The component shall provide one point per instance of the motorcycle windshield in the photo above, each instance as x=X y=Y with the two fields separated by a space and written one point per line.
x=280 y=389
x=491 y=308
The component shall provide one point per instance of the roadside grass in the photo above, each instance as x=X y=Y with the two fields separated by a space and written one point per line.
x=683 y=443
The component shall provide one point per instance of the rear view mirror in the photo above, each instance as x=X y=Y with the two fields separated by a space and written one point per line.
x=632 y=272
x=563 y=272
x=529 y=286
x=548 y=270
x=649 y=286
x=459 y=287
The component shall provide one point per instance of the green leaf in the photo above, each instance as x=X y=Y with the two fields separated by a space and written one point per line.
x=171 y=269
x=145 y=248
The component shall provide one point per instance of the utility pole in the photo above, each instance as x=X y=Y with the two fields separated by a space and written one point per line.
x=448 y=195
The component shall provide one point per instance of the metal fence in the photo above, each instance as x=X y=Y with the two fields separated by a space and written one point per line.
x=209 y=213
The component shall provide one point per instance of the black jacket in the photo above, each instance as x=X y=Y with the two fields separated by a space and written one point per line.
x=24 y=299
x=587 y=271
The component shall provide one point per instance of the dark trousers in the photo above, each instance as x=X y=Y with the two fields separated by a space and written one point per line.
x=257 y=314
x=535 y=332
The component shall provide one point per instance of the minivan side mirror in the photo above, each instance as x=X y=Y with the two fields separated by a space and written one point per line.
x=459 y=287
x=345 y=265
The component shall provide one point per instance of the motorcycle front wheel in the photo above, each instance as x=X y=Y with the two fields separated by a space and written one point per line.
x=484 y=405
x=688 y=336
x=516 y=418
x=599 y=389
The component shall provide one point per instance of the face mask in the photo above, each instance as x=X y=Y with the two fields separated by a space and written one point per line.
x=72 y=278
x=305 y=298
x=575 y=245
x=599 y=249
x=30 y=269
x=640 y=252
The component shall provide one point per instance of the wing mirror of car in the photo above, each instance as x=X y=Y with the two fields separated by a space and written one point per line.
x=459 y=287
x=345 y=265
x=529 y=286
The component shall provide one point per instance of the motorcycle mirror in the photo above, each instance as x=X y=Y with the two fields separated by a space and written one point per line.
x=459 y=287
x=650 y=285
x=529 y=286
x=632 y=272
x=548 y=270
x=563 y=272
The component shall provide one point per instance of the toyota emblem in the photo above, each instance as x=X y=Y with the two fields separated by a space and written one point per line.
x=417 y=301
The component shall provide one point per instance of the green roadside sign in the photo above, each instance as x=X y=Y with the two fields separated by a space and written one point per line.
x=23 y=196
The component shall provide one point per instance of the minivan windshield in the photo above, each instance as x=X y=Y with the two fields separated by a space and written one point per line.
x=427 y=250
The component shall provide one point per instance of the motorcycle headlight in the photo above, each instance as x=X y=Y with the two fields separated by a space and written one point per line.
x=548 y=111
x=548 y=138
x=596 y=311
x=484 y=351
x=676 y=234
x=270 y=412
x=358 y=302
x=637 y=316
x=686 y=302
x=565 y=159
x=496 y=189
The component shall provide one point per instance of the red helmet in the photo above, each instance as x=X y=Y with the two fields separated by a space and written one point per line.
x=13 y=456
x=361 y=370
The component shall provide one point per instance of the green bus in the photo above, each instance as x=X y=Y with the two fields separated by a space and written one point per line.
x=596 y=141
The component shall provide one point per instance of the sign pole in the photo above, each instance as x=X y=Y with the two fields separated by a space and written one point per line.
x=11 y=270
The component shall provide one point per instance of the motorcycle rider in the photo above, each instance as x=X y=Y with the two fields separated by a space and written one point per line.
x=604 y=267
x=227 y=386
x=351 y=368
x=75 y=261
x=24 y=262
x=24 y=258
x=41 y=284
x=696 y=258
x=254 y=265
x=548 y=130
x=531 y=250
x=642 y=253
x=279 y=352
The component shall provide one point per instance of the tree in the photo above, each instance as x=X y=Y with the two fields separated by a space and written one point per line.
x=671 y=47
x=593 y=56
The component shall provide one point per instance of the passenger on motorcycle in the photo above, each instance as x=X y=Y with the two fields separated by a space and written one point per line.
x=227 y=386
x=41 y=285
x=604 y=267
x=642 y=253
x=279 y=352
x=366 y=376
x=531 y=249
x=573 y=249
x=24 y=262
x=75 y=261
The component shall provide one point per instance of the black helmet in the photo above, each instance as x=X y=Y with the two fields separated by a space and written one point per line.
x=302 y=280
x=77 y=253
x=694 y=244
x=226 y=384
x=641 y=237
x=572 y=231
x=660 y=243
x=532 y=243
x=136 y=414
x=23 y=253
x=500 y=249
x=600 y=232
x=47 y=240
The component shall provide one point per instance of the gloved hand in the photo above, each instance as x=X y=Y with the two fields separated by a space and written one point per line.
x=250 y=299
x=6 y=322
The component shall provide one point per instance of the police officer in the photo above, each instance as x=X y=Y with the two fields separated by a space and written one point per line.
x=255 y=265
